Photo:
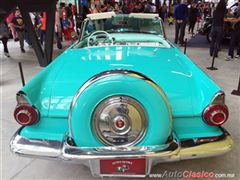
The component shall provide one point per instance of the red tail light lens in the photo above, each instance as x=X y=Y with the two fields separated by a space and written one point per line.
x=26 y=115
x=216 y=115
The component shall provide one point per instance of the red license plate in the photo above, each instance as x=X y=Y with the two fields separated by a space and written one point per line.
x=123 y=167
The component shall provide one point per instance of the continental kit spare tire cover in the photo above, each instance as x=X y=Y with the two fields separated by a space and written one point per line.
x=114 y=84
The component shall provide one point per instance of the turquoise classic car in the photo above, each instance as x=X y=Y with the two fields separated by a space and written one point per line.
x=120 y=100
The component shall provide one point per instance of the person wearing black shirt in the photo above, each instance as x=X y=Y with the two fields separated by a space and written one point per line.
x=217 y=27
x=18 y=24
x=4 y=35
x=193 y=14
x=235 y=34
x=180 y=14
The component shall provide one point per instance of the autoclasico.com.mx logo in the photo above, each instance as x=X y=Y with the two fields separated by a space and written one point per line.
x=192 y=174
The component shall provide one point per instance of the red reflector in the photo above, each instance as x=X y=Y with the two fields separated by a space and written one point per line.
x=26 y=115
x=120 y=123
x=218 y=118
x=216 y=115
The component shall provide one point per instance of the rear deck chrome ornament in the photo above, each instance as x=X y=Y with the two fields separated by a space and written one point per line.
x=119 y=121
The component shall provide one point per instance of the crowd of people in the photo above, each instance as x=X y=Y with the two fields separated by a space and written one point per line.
x=14 y=27
x=67 y=21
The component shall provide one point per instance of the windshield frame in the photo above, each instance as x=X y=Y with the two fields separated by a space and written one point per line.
x=85 y=22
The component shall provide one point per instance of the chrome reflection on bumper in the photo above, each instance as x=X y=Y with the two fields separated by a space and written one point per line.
x=90 y=156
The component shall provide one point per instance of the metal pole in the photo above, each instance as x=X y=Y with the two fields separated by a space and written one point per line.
x=185 y=46
x=33 y=36
x=237 y=92
x=213 y=59
x=21 y=73
x=48 y=48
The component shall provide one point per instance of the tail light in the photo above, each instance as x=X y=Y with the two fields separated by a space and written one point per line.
x=216 y=114
x=25 y=114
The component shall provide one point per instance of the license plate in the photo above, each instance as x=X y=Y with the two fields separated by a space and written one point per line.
x=123 y=167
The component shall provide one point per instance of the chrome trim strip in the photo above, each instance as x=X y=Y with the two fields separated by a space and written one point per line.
x=82 y=29
x=111 y=73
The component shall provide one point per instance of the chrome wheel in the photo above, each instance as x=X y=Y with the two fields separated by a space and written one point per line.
x=119 y=121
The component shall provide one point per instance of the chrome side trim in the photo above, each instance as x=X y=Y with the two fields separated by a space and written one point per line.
x=112 y=73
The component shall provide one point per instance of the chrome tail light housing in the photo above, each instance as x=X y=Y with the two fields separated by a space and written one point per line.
x=24 y=113
x=217 y=112
x=119 y=121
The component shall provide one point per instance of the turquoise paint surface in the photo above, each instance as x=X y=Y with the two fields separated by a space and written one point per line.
x=194 y=127
x=187 y=88
x=158 y=127
x=47 y=128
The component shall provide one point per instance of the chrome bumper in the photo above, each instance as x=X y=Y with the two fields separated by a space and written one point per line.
x=90 y=156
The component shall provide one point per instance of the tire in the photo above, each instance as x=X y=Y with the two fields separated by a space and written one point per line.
x=154 y=103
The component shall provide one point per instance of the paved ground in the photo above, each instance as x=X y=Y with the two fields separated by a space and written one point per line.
x=15 y=167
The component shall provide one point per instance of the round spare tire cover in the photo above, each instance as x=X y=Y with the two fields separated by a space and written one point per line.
x=146 y=92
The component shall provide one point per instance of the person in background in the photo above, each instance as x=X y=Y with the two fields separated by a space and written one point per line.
x=74 y=10
x=58 y=29
x=117 y=8
x=193 y=14
x=198 y=15
x=164 y=11
x=125 y=8
x=137 y=8
x=170 y=15
x=217 y=27
x=69 y=10
x=36 y=24
x=109 y=6
x=86 y=11
x=153 y=8
x=4 y=35
x=206 y=11
x=235 y=34
x=180 y=14
x=97 y=8
x=11 y=26
x=61 y=11
x=26 y=33
x=67 y=28
x=18 y=24
x=43 y=19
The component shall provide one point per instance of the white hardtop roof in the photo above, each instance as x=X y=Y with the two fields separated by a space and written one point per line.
x=144 y=15
x=108 y=15
x=105 y=15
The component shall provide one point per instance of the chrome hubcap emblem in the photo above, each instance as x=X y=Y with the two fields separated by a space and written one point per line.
x=119 y=121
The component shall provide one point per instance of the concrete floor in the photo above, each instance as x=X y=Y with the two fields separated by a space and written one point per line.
x=15 y=167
